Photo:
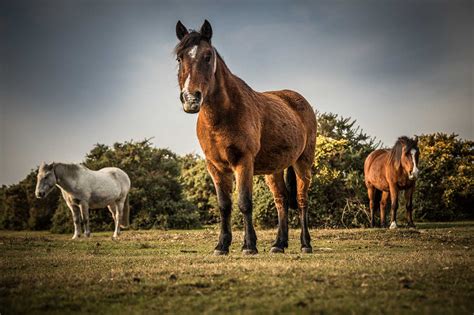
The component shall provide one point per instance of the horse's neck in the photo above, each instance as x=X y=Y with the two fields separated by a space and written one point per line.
x=66 y=178
x=226 y=97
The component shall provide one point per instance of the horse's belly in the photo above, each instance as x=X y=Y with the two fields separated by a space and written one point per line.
x=271 y=159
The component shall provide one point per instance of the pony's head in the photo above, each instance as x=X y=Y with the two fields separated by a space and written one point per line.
x=405 y=154
x=46 y=180
x=197 y=62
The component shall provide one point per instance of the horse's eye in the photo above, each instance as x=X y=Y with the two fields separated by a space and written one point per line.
x=207 y=58
x=178 y=59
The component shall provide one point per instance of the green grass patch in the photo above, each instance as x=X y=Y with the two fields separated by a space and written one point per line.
x=427 y=270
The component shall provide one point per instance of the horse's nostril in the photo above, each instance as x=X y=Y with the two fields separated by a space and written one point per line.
x=197 y=95
x=181 y=97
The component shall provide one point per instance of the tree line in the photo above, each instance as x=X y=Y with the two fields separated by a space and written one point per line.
x=171 y=191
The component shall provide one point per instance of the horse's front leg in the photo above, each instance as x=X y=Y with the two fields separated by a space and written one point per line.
x=383 y=206
x=76 y=219
x=276 y=183
x=84 y=207
x=394 y=206
x=244 y=179
x=303 y=180
x=223 y=184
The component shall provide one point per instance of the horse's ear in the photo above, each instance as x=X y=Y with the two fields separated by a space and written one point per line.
x=416 y=140
x=181 y=30
x=206 y=31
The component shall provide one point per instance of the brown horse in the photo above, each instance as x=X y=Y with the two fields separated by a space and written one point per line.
x=244 y=132
x=389 y=171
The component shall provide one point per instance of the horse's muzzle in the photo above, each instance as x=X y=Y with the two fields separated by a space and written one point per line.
x=191 y=108
x=413 y=174
x=191 y=102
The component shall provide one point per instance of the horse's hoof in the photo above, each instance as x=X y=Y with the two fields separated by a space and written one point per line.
x=249 y=252
x=393 y=225
x=75 y=237
x=306 y=250
x=87 y=234
x=218 y=252
x=277 y=250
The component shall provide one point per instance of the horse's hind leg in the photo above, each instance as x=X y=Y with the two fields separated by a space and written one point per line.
x=303 y=180
x=371 y=191
x=276 y=183
x=223 y=184
x=115 y=209
x=383 y=206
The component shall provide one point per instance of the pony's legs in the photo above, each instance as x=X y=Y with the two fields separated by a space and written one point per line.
x=303 y=180
x=223 y=184
x=276 y=183
x=371 y=192
x=394 y=207
x=76 y=219
x=409 y=205
x=112 y=211
x=244 y=179
x=114 y=208
x=85 y=218
x=383 y=206
x=118 y=217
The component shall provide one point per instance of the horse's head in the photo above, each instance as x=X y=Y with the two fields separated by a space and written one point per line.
x=46 y=180
x=197 y=61
x=409 y=156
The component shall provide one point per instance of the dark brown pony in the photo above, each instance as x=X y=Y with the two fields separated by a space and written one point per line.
x=389 y=171
x=243 y=132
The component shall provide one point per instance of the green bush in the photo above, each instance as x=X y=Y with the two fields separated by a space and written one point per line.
x=198 y=188
x=445 y=188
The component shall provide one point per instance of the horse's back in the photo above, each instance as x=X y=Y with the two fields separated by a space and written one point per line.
x=297 y=103
x=116 y=174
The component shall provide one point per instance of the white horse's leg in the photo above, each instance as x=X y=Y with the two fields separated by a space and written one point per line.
x=85 y=218
x=76 y=219
x=115 y=209
x=112 y=211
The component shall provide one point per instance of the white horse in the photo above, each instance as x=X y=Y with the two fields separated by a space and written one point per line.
x=84 y=189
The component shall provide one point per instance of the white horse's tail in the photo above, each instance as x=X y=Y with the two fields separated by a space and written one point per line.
x=125 y=220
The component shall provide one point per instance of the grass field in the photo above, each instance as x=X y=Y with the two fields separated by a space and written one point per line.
x=429 y=270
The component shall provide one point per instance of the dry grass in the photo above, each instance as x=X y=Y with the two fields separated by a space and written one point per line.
x=428 y=270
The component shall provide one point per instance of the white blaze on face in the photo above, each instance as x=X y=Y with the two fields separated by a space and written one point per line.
x=186 y=85
x=193 y=52
x=215 y=60
x=415 y=170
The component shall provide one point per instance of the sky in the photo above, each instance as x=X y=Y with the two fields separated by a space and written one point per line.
x=77 y=73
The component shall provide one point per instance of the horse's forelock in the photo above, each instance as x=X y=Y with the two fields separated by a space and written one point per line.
x=191 y=39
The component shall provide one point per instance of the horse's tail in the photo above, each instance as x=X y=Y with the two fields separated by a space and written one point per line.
x=290 y=182
x=125 y=222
